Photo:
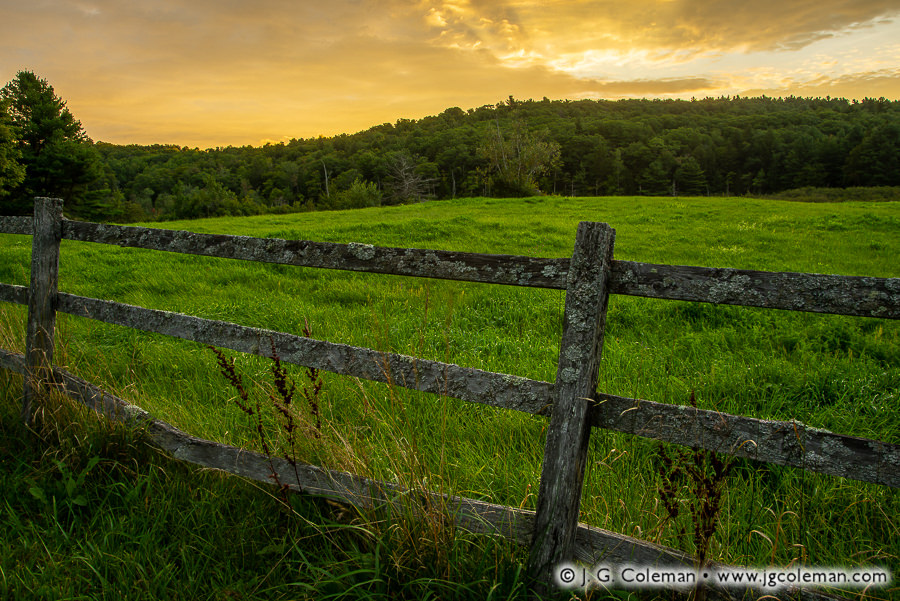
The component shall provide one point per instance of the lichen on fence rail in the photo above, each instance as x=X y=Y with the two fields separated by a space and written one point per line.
x=449 y=265
x=16 y=225
x=466 y=383
x=812 y=292
x=820 y=293
x=783 y=443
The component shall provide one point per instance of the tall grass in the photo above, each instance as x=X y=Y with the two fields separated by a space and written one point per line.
x=91 y=511
x=833 y=372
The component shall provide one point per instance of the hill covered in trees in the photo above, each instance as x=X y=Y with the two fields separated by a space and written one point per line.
x=721 y=146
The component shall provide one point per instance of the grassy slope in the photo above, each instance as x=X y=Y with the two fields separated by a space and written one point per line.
x=834 y=372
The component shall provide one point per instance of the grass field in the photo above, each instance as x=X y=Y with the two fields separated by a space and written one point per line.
x=839 y=373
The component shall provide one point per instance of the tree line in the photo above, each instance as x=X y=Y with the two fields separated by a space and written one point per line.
x=714 y=146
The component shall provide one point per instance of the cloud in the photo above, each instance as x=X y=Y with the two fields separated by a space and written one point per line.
x=875 y=84
x=695 y=86
x=207 y=72
x=191 y=74
x=554 y=27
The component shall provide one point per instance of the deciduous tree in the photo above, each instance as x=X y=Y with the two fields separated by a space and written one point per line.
x=518 y=156
x=406 y=180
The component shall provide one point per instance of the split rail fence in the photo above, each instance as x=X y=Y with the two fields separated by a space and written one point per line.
x=573 y=405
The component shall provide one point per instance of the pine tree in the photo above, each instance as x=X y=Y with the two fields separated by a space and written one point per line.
x=690 y=179
x=58 y=157
x=11 y=171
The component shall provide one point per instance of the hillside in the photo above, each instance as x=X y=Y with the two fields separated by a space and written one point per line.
x=724 y=146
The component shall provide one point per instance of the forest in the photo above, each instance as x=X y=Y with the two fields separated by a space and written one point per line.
x=727 y=146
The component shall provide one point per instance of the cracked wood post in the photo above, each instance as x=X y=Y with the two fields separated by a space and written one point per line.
x=46 y=237
x=568 y=432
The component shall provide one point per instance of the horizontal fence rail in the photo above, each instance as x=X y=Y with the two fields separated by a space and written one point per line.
x=465 y=383
x=16 y=225
x=440 y=264
x=819 y=293
x=790 y=443
x=14 y=294
x=811 y=292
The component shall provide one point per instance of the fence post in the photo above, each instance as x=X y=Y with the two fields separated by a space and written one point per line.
x=568 y=433
x=41 y=299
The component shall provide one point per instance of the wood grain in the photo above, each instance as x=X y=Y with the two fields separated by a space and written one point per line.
x=448 y=265
x=790 y=443
x=569 y=430
x=42 y=298
x=466 y=383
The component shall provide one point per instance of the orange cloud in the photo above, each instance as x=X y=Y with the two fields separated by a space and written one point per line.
x=878 y=84
x=207 y=73
x=562 y=26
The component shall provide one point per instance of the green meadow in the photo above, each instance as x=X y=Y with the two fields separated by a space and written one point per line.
x=833 y=372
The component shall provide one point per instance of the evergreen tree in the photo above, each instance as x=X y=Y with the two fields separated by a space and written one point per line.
x=656 y=179
x=58 y=157
x=689 y=178
x=11 y=171
x=876 y=160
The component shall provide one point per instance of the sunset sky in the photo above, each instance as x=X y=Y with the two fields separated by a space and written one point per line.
x=227 y=72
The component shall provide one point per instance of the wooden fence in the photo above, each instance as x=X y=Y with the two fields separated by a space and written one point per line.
x=573 y=405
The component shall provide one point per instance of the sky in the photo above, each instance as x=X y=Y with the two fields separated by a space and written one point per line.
x=210 y=73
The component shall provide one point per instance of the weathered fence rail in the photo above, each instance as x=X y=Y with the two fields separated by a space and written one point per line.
x=818 y=293
x=572 y=404
x=464 y=383
x=812 y=292
x=780 y=442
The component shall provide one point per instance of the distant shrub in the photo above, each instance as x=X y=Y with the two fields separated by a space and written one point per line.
x=360 y=194
x=867 y=194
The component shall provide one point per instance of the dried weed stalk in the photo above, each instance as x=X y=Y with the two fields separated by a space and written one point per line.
x=697 y=477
